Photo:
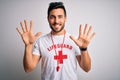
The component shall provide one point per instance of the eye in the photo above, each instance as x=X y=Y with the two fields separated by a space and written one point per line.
x=52 y=17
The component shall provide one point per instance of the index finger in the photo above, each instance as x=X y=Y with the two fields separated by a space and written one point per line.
x=19 y=31
x=31 y=25
x=80 y=31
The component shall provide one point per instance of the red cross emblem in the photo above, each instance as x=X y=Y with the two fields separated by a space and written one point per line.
x=60 y=57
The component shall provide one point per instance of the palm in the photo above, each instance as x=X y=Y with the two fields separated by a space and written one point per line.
x=27 y=35
x=28 y=38
x=84 y=37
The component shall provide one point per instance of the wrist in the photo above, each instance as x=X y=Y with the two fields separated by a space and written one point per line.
x=83 y=49
x=29 y=45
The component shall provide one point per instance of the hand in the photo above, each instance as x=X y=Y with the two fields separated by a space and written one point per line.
x=27 y=34
x=85 y=37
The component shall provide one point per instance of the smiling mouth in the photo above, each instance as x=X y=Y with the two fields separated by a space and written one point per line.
x=56 y=25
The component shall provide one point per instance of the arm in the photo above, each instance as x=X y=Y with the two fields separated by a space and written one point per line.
x=29 y=61
x=84 y=61
x=83 y=41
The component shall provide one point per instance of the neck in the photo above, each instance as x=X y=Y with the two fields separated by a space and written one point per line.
x=58 y=33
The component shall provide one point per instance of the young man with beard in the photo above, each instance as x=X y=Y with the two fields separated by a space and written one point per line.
x=57 y=50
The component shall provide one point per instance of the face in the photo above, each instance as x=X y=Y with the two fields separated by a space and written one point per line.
x=57 y=20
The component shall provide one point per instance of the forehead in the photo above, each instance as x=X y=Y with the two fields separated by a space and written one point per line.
x=57 y=11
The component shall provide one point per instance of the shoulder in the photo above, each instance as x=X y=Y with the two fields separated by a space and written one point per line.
x=43 y=36
x=68 y=34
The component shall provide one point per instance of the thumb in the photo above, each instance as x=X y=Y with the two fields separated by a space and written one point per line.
x=72 y=37
x=38 y=34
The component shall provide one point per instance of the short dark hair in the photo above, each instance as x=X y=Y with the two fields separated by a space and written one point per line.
x=55 y=5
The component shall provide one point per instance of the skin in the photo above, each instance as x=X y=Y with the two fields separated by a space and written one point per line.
x=56 y=21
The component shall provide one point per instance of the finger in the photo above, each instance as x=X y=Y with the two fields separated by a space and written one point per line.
x=26 y=25
x=23 y=28
x=89 y=31
x=92 y=36
x=38 y=34
x=80 y=31
x=31 y=25
x=85 y=30
x=71 y=37
x=19 y=31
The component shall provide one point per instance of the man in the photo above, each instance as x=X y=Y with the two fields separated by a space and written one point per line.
x=58 y=50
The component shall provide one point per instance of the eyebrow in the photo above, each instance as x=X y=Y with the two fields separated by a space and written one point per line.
x=57 y=15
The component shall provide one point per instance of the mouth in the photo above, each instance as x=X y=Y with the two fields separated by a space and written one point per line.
x=56 y=25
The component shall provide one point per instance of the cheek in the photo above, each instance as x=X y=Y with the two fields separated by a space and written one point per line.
x=51 y=21
x=63 y=21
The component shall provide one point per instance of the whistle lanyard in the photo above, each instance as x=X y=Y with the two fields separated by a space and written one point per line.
x=58 y=67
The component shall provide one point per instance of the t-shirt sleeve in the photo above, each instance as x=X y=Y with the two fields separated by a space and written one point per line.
x=36 y=48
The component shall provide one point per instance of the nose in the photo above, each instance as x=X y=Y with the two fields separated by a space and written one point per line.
x=56 y=20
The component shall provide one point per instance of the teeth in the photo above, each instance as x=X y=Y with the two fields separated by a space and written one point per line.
x=57 y=25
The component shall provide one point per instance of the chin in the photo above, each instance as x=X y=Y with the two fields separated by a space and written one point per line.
x=57 y=30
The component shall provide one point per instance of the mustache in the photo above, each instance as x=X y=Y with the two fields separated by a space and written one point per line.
x=56 y=23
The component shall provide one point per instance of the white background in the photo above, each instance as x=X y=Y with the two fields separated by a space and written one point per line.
x=104 y=49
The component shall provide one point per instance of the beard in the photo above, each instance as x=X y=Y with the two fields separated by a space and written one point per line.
x=57 y=31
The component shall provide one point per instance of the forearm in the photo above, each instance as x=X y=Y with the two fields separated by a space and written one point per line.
x=28 y=59
x=85 y=61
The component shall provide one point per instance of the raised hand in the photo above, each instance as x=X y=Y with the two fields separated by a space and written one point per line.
x=27 y=34
x=84 y=37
